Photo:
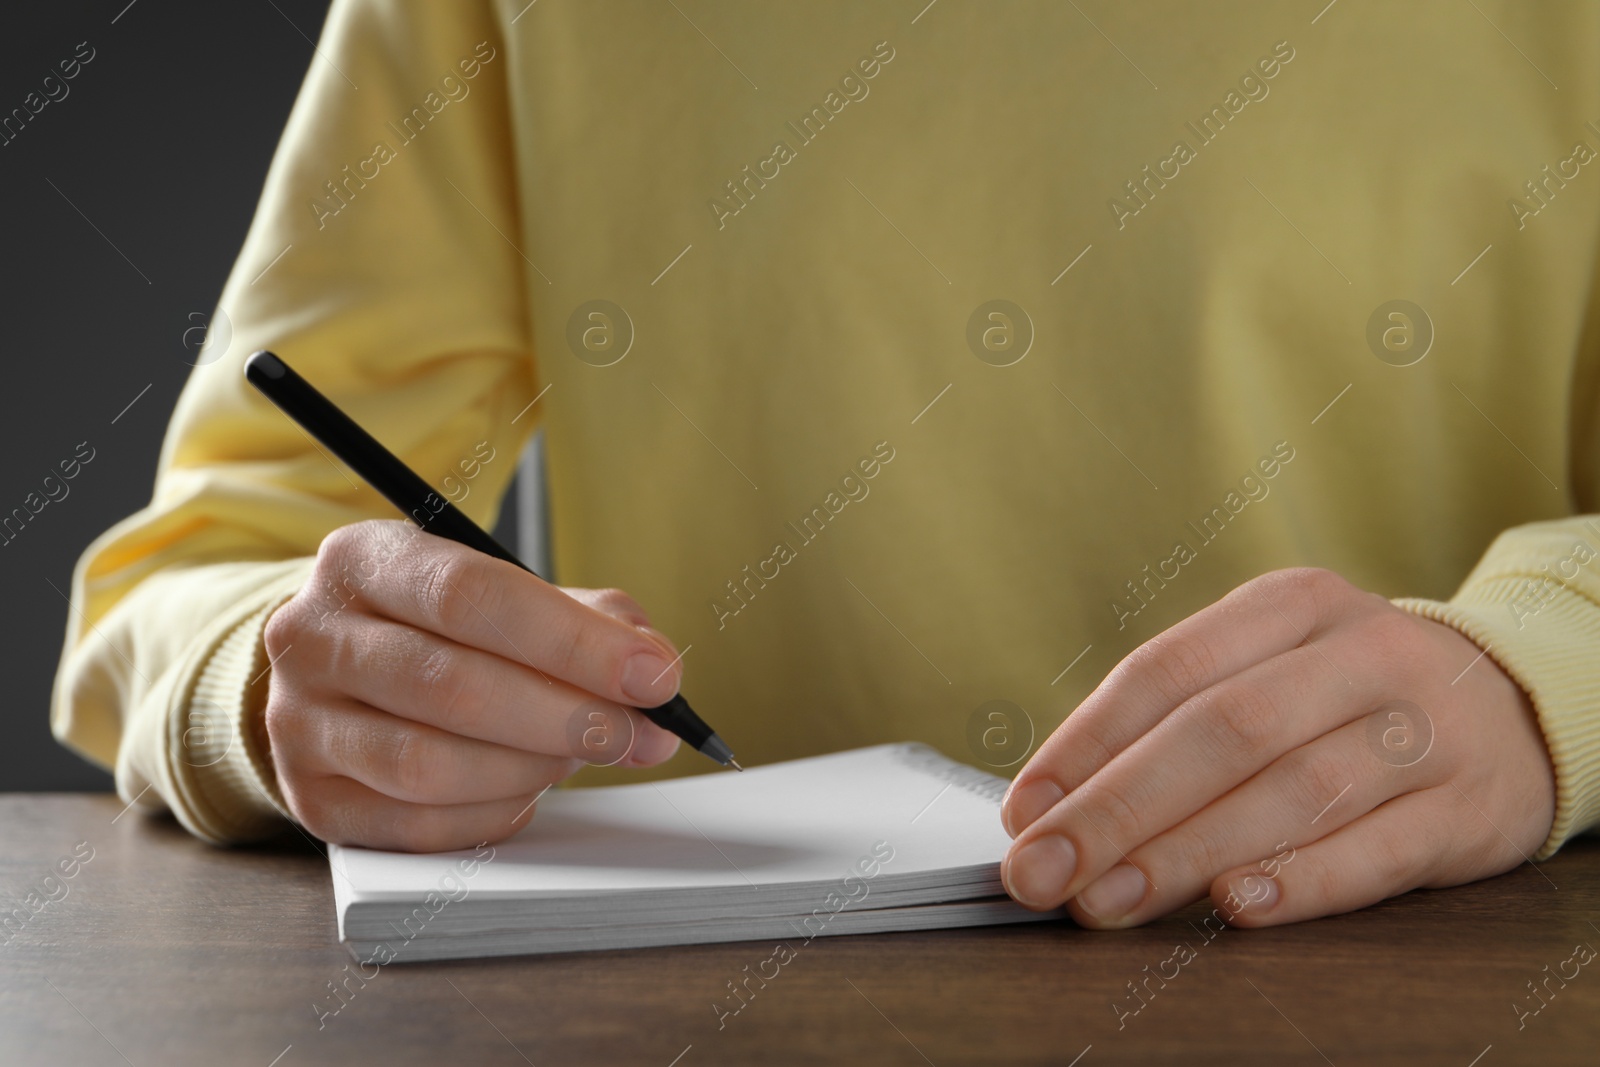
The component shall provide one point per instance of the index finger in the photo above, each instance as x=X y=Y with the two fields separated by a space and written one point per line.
x=489 y=604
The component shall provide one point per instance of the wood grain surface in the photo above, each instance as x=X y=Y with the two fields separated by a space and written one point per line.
x=162 y=950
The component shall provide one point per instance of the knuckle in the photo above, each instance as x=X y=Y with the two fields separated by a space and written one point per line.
x=576 y=643
x=445 y=684
x=1487 y=849
x=1176 y=668
x=1314 y=780
x=342 y=656
x=1324 y=882
x=1316 y=590
x=619 y=605
x=1098 y=747
x=303 y=653
x=1240 y=722
x=1394 y=626
x=1090 y=751
x=1395 y=862
x=339 y=544
x=320 y=818
x=407 y=767
x=284 y=721
x=1117 y=815
x=1208 y=851
x=273 y=719
x=1392 y=635
x=345 y=565
x=437 y=595
x=308 y=814
x=1316 y=580
x=321 y=822
x=282 y=627
x=345 y=544
x=455 y=591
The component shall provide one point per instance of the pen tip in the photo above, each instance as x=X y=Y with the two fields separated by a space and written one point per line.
x=734 y=764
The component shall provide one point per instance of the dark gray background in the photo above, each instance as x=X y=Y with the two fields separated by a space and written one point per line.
x=162 y=144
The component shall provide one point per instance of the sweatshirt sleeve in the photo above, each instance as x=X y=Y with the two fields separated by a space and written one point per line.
x=384 y=263
x=1533 y=604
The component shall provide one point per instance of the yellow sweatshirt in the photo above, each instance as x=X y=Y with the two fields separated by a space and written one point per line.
x=900 y=359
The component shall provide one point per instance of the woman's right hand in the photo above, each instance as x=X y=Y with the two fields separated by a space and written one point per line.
x=423 y=695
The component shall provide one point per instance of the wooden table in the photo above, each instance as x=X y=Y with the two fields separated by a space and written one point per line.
x=166 y=951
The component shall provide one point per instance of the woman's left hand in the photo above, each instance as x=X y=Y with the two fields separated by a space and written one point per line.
x=1299 y=748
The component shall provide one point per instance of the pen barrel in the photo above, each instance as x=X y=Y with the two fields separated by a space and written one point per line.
x=379 y=467
x=677 y=717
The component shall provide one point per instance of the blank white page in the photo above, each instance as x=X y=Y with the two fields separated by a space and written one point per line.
x=799 y=822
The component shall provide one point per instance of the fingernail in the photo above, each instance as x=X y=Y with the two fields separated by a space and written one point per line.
x=647 y=679
x=1114 y=894
x=659 y=638
x=1024 y=804
x=1037 y=873
x=1255 y=892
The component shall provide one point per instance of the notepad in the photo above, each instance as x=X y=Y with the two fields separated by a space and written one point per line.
x=892 y=837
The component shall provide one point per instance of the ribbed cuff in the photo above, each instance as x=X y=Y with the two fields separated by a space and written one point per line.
x=1554 y=654
x=218 y=745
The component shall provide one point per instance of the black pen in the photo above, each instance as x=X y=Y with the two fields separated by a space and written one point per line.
x=406 y=490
